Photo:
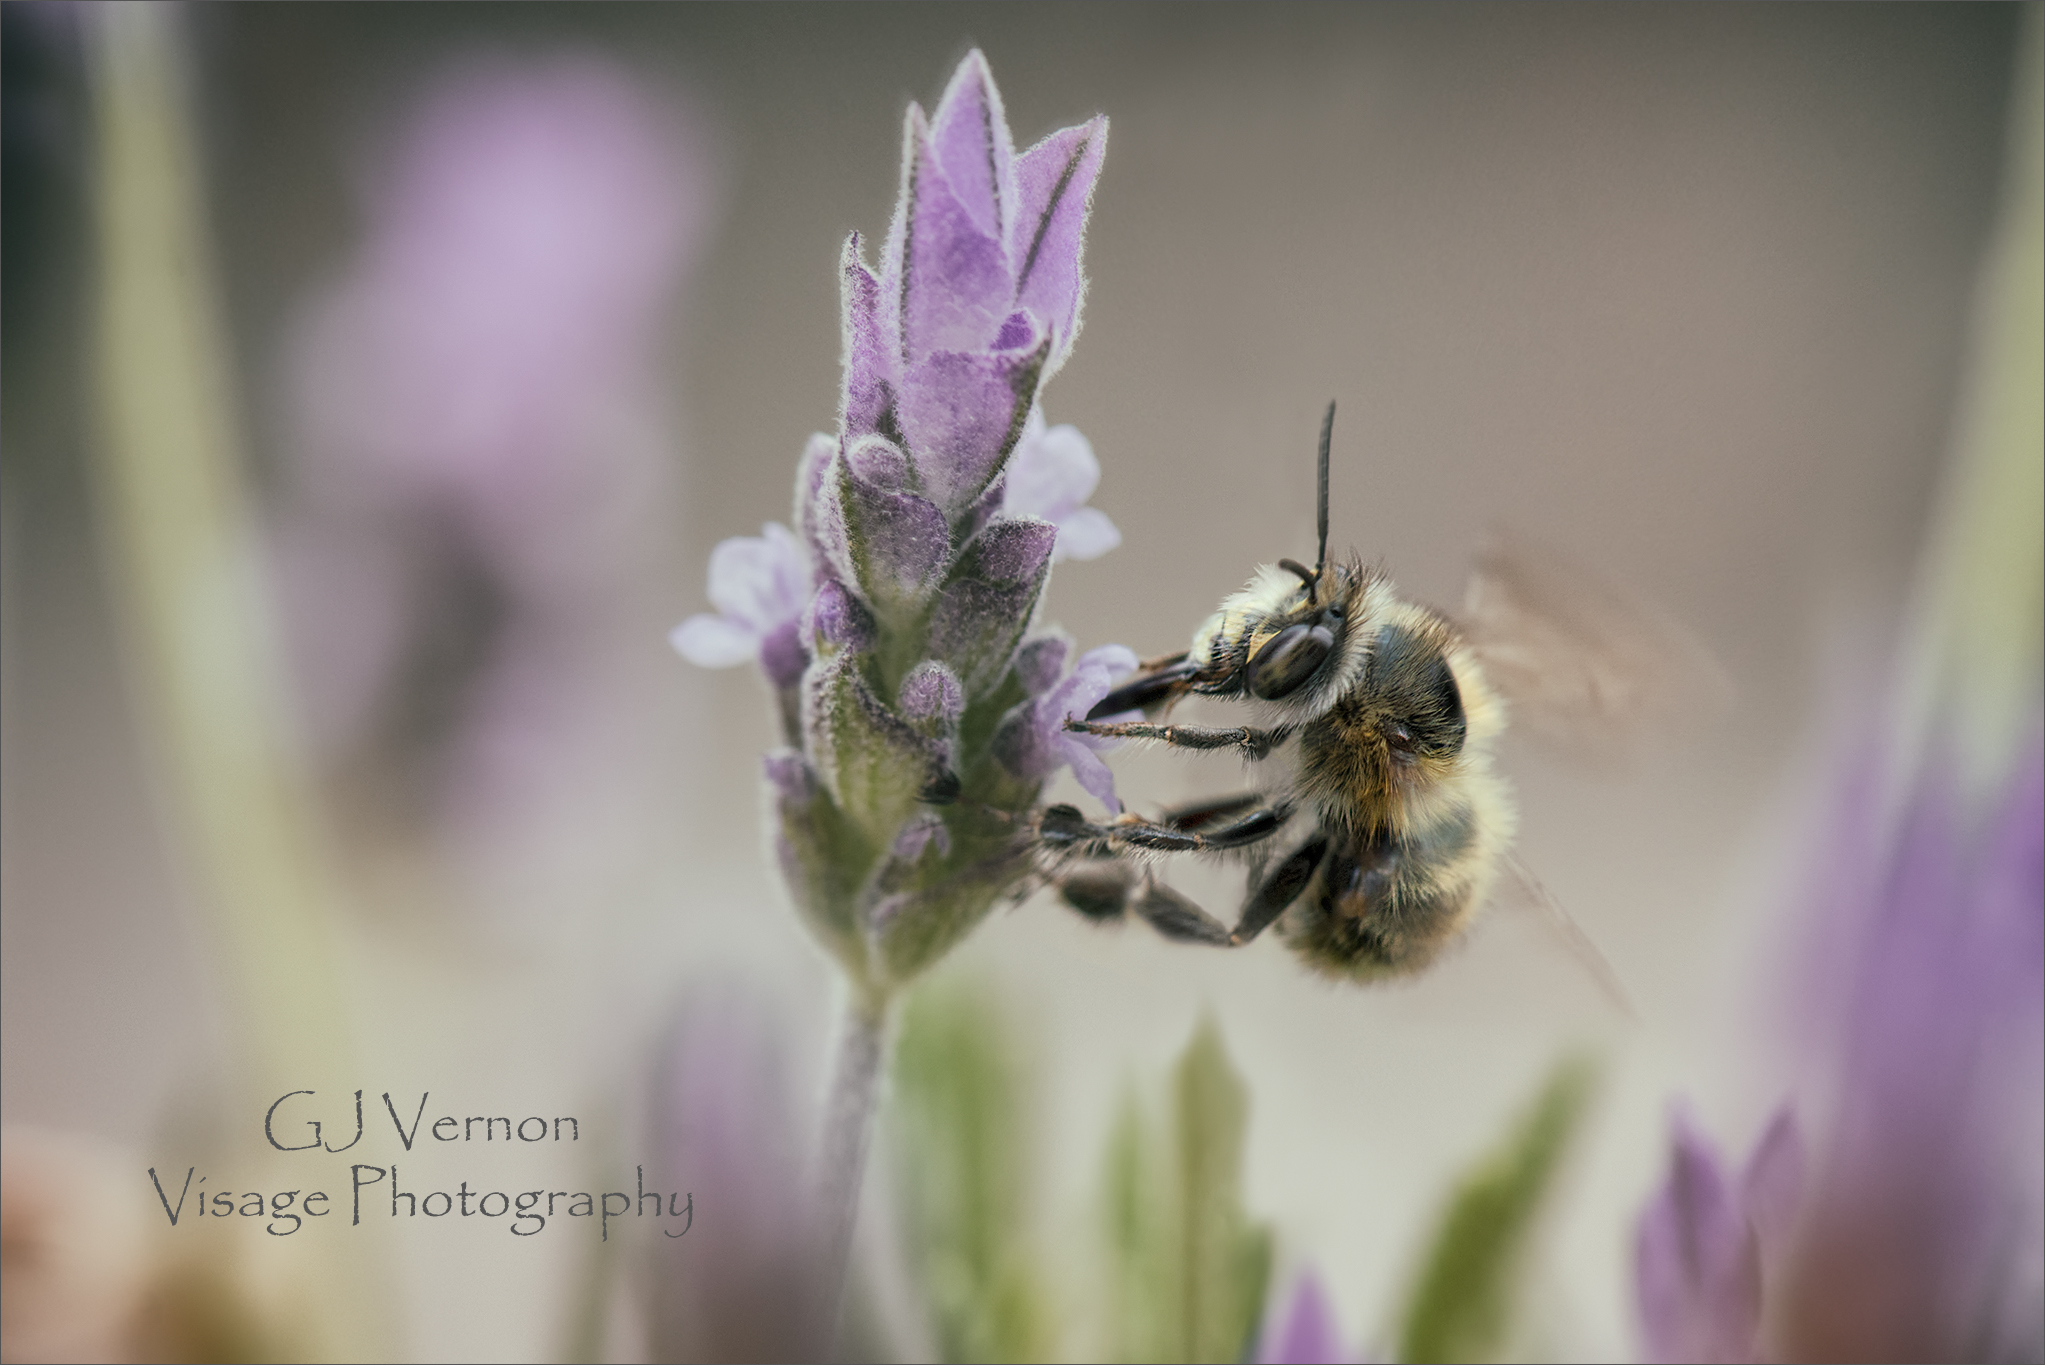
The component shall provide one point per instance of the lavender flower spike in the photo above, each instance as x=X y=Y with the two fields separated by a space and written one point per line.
x=892 y=620
x=1705 y=1240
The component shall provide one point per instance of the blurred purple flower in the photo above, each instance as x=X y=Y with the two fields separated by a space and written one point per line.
x=1925 y=1236
x=725 y=1131
x=1705 y=1240
x=1308 y=1334
x=1051 y=475
x=760 y=587
x=482 y=464
x=1034 y=742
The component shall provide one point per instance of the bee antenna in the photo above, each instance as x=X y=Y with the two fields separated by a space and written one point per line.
x=1321 y=490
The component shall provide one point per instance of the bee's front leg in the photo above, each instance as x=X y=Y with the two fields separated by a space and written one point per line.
x=1254 y=742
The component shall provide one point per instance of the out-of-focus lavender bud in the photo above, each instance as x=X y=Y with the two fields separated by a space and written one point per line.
x=874 y=763
x=1706 y=1240
x=836 y=621
x=1307 y=1334
x=725 y=1126
x=988 y=603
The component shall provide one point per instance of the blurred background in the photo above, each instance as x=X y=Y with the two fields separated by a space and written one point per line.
x=527 y=307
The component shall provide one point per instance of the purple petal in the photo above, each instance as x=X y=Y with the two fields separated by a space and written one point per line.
x=1309 y=1335
x=1086 y=534
x=760 y=581
x=969 y=137
x=961 y=414
x=1771 y=1188
x=1021 y=743
x=931 y=694
x=955 y=286
x=869 y=354
x=1093 y=775
x=1696 y=1267
x=1053 y=471
x=1056 y=179
x=1116 y=661
x=714 y=642
x=1039 y=662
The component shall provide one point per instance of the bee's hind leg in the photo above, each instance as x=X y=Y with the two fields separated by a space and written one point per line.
x=1280 y=889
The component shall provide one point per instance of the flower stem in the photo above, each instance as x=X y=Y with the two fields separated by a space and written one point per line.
x=841 y=1159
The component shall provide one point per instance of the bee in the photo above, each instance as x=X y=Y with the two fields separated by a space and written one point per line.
x=1384 y=826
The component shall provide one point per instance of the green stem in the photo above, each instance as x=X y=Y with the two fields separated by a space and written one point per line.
x=849 y=1111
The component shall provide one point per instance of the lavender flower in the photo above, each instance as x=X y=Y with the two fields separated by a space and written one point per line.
x=760 y=587
x=1308 y=1335
x=1051 y=475
x=1705 y=1239
x=1034 y=742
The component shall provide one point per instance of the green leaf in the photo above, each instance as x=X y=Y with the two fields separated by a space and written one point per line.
x=965 y=1175
x=1189 y=1267
x=1461 y=1309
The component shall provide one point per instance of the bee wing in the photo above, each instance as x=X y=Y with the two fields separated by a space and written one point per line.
x=1580 y=662
x=1524 y=891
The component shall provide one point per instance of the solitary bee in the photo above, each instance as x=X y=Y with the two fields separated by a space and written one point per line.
x=1385 y=828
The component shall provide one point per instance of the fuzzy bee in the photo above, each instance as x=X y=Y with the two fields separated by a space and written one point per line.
x=1384 y=827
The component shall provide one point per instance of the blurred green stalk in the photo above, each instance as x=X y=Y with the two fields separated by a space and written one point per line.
x=1978 y=618
x=1189 y=1268
x=1463 y=1304
x=185 y=567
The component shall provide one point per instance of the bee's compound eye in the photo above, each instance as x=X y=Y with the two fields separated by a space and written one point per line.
x=1294 y=655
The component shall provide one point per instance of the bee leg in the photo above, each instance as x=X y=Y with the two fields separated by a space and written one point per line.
x=1062 y=826
x=1177 y=918
x=1199 y=813
x=1255 y=743
x=1160 y=681
x=1279 y=890
x=1098 y=889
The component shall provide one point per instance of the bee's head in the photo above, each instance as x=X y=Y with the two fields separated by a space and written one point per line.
x=1301 y=642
